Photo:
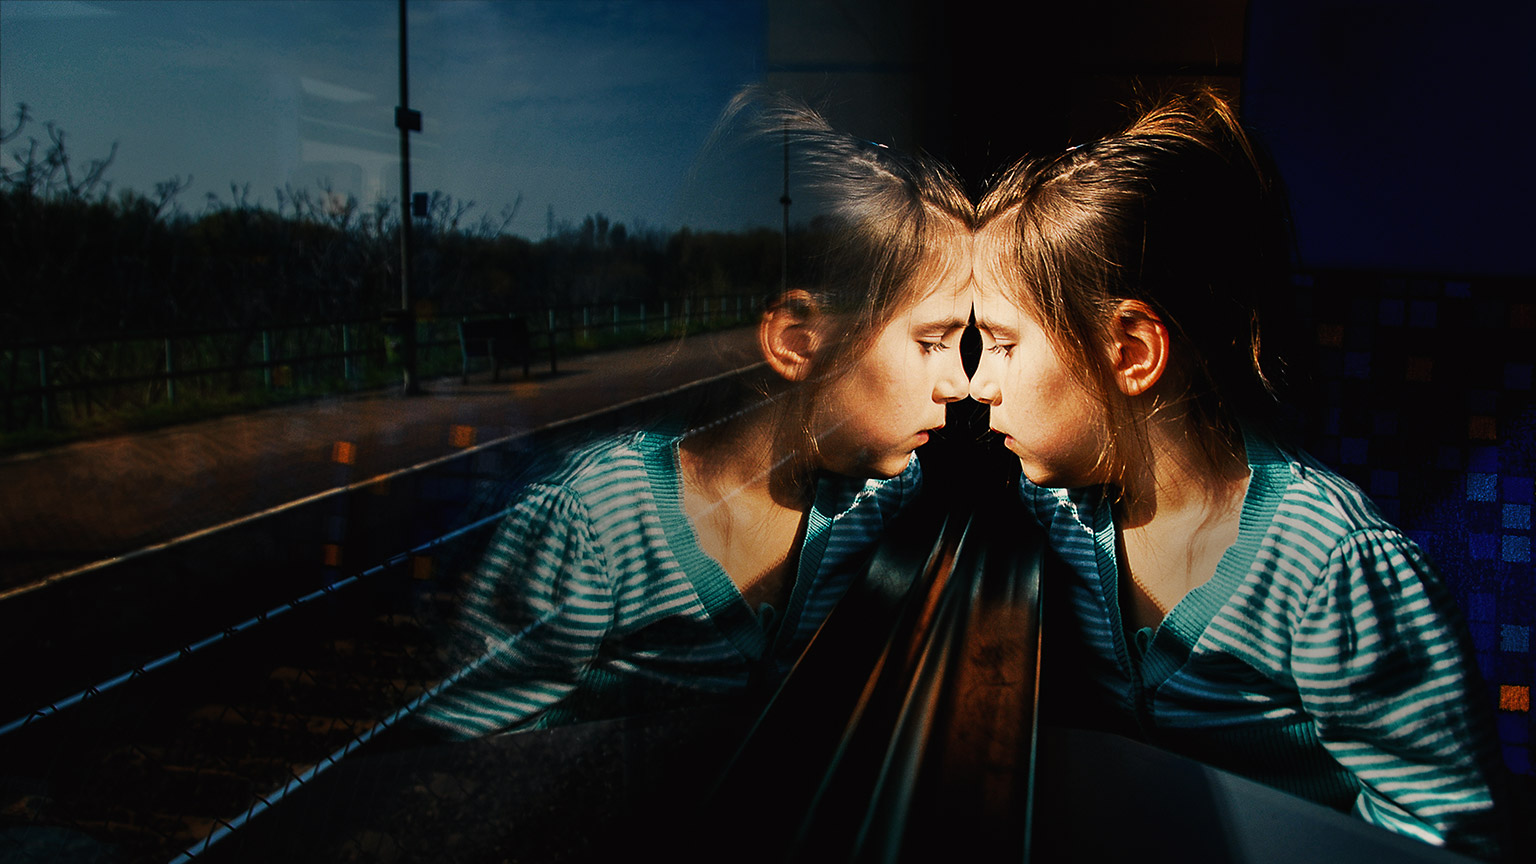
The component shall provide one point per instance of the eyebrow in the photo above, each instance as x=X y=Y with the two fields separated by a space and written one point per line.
x=952 y=322
x=997 y=331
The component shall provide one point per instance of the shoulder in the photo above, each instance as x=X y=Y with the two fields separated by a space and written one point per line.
x=1308 y=495
x=1324 y=523
x=602 y=475
x=596 y=504
x=593 y=495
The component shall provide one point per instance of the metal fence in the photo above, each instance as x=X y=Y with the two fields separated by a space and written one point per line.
x=71 y=384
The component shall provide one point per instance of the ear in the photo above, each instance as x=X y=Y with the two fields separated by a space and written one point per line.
x=787 y=335
x=1139 y=352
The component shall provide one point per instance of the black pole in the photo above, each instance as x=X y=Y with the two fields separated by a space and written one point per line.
x=406 y=120
x=784 y=199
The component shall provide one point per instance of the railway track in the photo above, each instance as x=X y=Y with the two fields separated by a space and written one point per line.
x=153 y=768
x=159 y=704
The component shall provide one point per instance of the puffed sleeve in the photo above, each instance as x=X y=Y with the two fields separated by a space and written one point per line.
x=1381 y=663
x=537 y=612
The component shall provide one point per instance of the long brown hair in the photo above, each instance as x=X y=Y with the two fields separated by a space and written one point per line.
x=1178 y=211
x=888 y=220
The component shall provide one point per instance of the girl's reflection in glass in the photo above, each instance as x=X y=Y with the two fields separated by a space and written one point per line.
x=688 y=561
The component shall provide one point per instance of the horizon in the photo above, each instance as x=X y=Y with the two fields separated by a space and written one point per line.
x=572 y=109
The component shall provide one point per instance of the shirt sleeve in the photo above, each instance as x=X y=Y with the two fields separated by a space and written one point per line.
x=539 y=607
x=1381 y=664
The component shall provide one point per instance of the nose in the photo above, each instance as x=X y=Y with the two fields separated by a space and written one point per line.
x=952 y=384
x=984 y=387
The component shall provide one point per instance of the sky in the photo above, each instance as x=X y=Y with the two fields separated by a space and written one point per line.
x=574 y=106
x=1401 y=127
x=1395 y=122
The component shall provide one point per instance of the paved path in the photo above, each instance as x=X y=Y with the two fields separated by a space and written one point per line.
x=78 y=503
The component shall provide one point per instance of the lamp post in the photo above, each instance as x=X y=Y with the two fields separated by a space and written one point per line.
x=784 y=200
x=407 y=121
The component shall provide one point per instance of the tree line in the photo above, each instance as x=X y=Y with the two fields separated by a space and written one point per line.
x=82 y=261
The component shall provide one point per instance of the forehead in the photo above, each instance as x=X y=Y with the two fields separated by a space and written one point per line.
x=996 y=278
x=943 y=278
x=991 y=251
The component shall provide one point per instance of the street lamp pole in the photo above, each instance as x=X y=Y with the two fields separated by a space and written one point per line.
x=407 y=121
x=784 y=199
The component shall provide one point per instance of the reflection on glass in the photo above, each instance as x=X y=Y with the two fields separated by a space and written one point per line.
x=695 y=559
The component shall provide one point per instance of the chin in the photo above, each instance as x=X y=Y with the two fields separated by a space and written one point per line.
x=1039 y=476
x=872 y=463
x=885 y=468
x=1056 y=479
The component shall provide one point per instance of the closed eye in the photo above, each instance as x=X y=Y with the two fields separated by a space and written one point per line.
x=932 y=347
x=1000 y=348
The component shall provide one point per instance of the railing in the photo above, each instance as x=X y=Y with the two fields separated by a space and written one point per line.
x=907 y=730
x=76 y=383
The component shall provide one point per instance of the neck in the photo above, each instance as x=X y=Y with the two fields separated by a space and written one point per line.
x=745 y=457
x=747 y=501
x=1177 y=476
x=1181 y=509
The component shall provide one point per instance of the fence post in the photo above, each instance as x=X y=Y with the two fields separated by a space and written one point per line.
x=346 y=352
x=170 y=373
x=586 y=321
x=615 y=319
x=551 y=312
x=42 y=381
x=666 y=316
x=642 y=319
x=687 y=312
x=266 y=358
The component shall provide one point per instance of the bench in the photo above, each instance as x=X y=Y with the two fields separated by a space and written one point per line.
x=502 y=340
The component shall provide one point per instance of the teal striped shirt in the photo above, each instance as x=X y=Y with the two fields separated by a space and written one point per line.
x=595 y=589
x=1324 y=657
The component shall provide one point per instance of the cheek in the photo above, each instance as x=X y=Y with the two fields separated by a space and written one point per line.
x=853 y=403
x=889 y=396
x=887 y=378
x=1016 y=383
x=1041 y=405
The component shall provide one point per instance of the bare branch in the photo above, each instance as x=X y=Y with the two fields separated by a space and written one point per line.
x=23 y=116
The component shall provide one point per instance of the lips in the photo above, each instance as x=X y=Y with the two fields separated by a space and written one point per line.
x=1008 y=440
x=926 y=434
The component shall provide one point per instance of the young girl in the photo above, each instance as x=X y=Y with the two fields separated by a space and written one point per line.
x=1236 y=601
x=670 y=563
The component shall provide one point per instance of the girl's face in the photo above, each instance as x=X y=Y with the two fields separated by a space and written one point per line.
x=868 y=421
x=1051 y=422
